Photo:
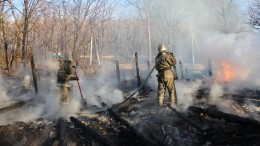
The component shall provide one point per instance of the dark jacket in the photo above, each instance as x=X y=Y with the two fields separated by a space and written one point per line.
x=64 y=72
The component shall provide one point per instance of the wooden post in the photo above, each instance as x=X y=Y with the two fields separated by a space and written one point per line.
x=182 y=76
x=117 y=71
x=210 y=68
x=34 y=74
x=186 y=72
x=148 y=64
x=137 y=69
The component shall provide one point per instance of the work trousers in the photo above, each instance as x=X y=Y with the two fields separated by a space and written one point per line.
x=65 y=90
x=169 y=85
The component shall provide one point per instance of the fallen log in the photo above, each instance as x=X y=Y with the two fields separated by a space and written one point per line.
x=91 y=132
x=236 y=140
x=228 y=117
x=14 y=105
x=138 y=134
x=232 y=129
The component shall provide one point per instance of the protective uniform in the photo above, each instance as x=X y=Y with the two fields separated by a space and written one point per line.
x=165 y=77
x=63 y=77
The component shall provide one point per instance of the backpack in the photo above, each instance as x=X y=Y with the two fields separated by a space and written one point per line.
x=62 y=75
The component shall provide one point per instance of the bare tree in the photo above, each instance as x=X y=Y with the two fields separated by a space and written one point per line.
x=144 y=7
x=223 y=12
x=167 y=21
x=4 y=35
x=76 y=22
x=254 y=14
x=30 y=13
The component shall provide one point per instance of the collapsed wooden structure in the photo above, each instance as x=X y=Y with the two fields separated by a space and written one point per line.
x=139 y=122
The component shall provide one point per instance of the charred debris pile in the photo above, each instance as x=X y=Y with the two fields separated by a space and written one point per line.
x=139 y=122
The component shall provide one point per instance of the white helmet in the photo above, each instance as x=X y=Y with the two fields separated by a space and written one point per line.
x=161 y=48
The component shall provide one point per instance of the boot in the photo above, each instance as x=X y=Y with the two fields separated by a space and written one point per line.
x=160 y=108
x=173 y=102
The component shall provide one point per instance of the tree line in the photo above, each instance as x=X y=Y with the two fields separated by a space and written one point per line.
x=82 y=28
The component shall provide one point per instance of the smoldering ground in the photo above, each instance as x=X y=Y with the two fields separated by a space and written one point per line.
x=237 y=47
x=46 y=104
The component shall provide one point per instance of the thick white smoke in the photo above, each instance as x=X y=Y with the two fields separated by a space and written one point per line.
x=186 y=92
x=239 y=51
x=101 y=88
x=225 y=39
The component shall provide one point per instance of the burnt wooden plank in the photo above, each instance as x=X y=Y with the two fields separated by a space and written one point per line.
x=62 y=131
x=138 y=133
x=236 y=140
x=193 y=124
x=92 y=132
x=228 y=117
x=13 y=106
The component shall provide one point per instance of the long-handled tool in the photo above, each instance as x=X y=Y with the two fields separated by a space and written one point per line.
x=83 y=101
x=141 y=86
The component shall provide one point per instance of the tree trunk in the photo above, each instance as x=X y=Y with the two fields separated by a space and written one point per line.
x=25 y=32
x=34 y=74
x=4 y=37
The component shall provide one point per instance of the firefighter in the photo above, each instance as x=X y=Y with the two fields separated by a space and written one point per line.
x=63 y=77
x=164 y=61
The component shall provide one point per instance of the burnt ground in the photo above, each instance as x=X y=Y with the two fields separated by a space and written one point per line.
x=139 y=122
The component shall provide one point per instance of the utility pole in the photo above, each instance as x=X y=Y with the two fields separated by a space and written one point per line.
x=193 y=44
x=91 y=46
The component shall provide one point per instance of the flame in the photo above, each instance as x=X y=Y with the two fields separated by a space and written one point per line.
x=226 y=73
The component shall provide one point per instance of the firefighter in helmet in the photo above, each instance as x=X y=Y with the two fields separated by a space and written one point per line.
x=63 y=77
x=164 y=61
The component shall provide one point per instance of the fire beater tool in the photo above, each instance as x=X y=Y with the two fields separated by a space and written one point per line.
x=83 y=101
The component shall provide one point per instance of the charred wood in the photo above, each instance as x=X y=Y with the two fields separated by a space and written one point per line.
x=62 y=132
x=236 y=140
x=34 y=73
x=137 y=70
x=91 y=132
x=127 y=132
x=12 y=106
x=137 y=133
x=185 y=118
x=121 y=139
x=228 y=117
x=229 y=130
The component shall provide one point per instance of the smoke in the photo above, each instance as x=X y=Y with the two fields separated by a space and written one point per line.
x=216 y=92
x=186 y=91
x=231 y=43
x=101 y=88
x=4 y=97
x=237 y=50
x=97 y=89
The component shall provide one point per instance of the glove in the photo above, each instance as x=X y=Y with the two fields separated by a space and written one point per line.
x=74 y=78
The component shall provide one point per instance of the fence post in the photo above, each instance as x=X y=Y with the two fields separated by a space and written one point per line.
x=137 y=69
